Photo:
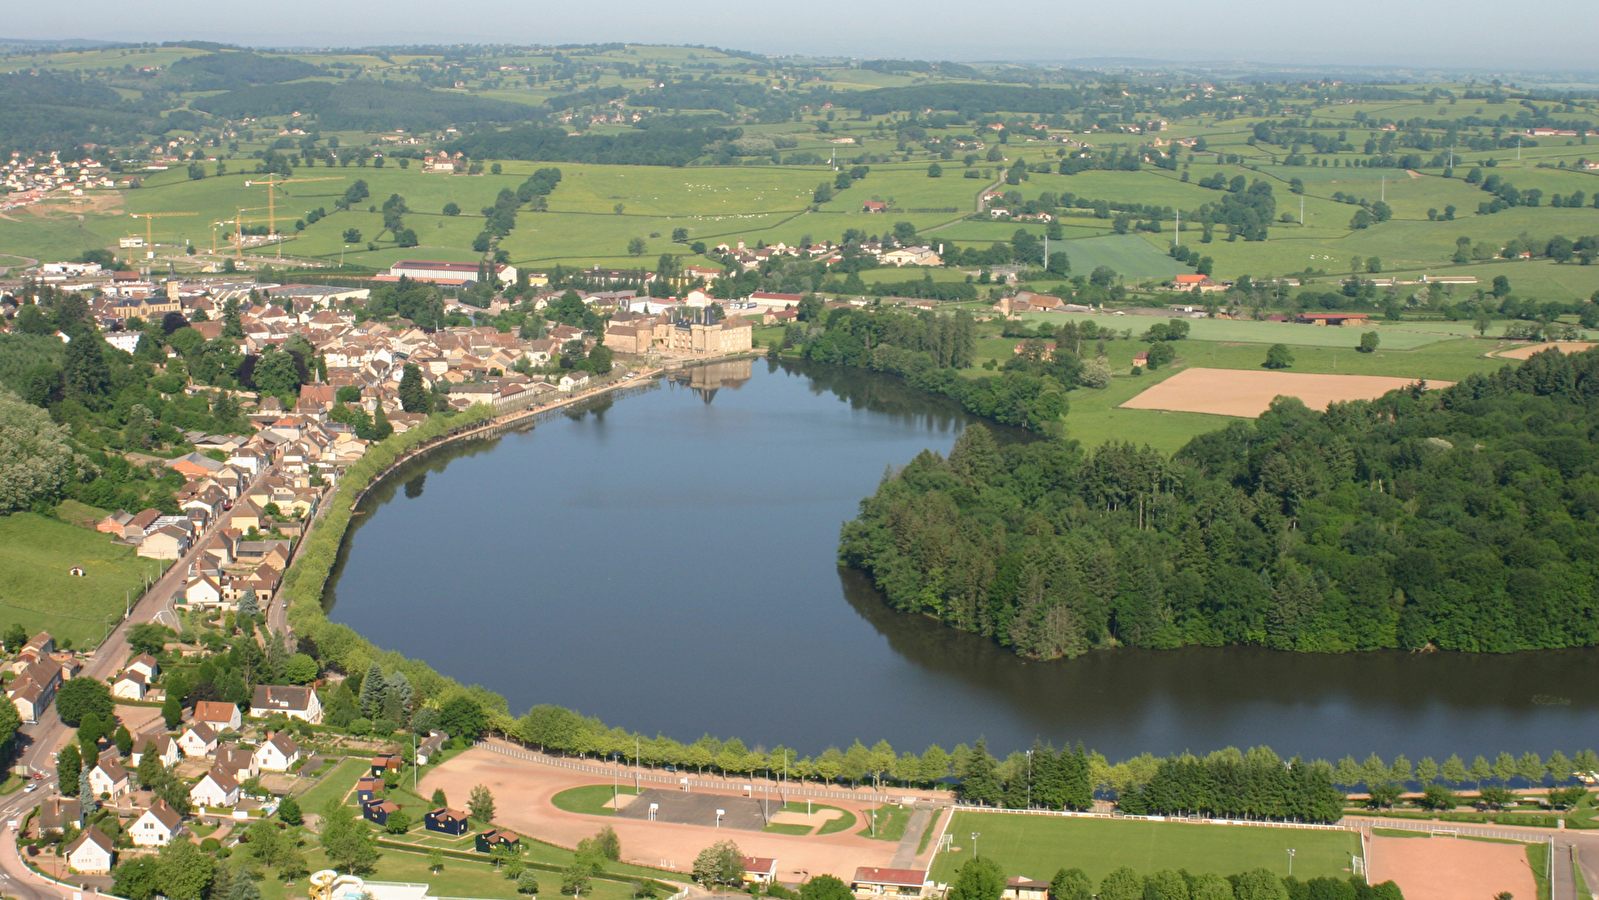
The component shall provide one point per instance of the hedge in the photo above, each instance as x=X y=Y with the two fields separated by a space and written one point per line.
x=306 y=579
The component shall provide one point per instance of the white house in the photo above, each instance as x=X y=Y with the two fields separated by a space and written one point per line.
x=217 y=788
x=278 y=753
x=295 y=702
x=129 y=686
x=203 y=591
x=145 y=665
x=108 y=778
x=92 y=853
x=163 y=746
x=157 y=827
x=573 y=380
x=198 y=740
x=218 y=714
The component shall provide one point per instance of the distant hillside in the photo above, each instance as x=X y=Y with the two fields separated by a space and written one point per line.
x=59 y=112
x=234 y=70
x=366 y=106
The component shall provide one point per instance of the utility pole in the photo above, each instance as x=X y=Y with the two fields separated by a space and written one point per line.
x=1177 y=230
x=1301 y=209
x=1518 y=147
x=1383 y=196
x=1046 y=252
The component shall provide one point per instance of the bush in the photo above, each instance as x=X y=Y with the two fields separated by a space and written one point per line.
x=1278 y=356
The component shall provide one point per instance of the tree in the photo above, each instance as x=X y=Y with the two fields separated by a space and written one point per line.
x=300 y=669
x=399 y=822
x=137 y=878
x=439 y=799
x=979 y=783
x=289 y=811
x=463 y=717
x=1160 y=354
x=636 y=247
x=979 y=878
x=149 y=637
x=1453 y=771
x=825 y=887
x=719 y=864
x=452 y=208
x=578 y=873
x=1362 y=219
x=1256 y=884
x=185 y=871
x=346 y=839
x=1368 y=342
x=35 y=459
x=526 y=883
x=481 y=805
x=414 y=394
x=81 y=697
x=1436 y=796
x=1210 y=886
x=436 y=861
x=1278 y=356
x=1122 y=884
x=69 y=763
x=607 y=844
x=172 y=710
x=122 y=739
x=16 y=637
x=935 y=170
x=1071 y=884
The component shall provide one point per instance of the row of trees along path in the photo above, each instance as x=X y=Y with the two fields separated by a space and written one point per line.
x=862 y=794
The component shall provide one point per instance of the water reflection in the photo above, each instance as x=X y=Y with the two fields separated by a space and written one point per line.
x=666 y=561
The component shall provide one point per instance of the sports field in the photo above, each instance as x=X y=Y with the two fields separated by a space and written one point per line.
x=1038 y=846
x=1240 y=392
x=1445 y=868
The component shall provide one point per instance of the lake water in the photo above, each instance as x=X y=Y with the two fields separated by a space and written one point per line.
x=666 y=561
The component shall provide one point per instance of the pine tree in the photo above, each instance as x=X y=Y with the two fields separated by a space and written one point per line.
x=414 y=396
x=1079 y=782
x=980 y=784
x=372 y=690
x=381 y=429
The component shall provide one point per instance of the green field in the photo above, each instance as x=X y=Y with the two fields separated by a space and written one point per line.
x=1039 y=846
x=889 y=822
x=457 y=878
x=36 y=589
x=590 y=799
x=335 y=785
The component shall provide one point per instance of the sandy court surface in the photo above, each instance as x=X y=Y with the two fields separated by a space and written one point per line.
x=620 y=801
x=522 y=792
x=815 y=820
x=1530 y=349
x=1248 y=393
x=1444 y=868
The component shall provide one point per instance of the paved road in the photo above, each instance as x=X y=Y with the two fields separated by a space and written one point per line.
x=38 y=742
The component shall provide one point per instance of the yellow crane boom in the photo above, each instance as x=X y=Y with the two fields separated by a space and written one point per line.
x=149 y=233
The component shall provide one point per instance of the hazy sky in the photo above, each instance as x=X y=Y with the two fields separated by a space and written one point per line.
x=1467 y=33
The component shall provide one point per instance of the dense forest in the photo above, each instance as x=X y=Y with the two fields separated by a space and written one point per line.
x=365 y=105
x=1463 y=519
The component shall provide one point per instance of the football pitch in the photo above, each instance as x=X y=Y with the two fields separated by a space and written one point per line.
x=1039 y=846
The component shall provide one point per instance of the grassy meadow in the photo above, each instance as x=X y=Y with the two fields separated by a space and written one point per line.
x=1039 y=846
x=37 y=590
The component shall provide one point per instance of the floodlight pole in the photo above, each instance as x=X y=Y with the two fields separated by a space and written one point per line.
x=1290 y=861
x=975 y=836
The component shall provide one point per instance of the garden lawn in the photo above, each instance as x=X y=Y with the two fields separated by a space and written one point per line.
x=1038 y=846
x=335 y=785
x=458 y=878
x=36 y=589
x=891 y=822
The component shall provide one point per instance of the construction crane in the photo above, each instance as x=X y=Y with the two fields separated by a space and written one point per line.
x=149 y=231
x=238 y=222
x=272 y=197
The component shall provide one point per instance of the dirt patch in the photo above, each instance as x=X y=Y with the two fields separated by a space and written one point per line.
x=1530 y=349
x=1248 y=393
x=523 y=790
x=88 y=204
x=1444 y=868
x=815 y=820
x=620 y=801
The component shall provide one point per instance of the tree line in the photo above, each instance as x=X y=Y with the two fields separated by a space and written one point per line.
x=1369 y=526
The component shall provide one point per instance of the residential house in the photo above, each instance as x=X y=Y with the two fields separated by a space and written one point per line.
x=129 y=686
x=144 y=664
x=33 y=689
x=430 y=747
x=238 y=762
x=203 y=591
x=446 y=821
x=216 y=789
x=573 y=380
x=166 y=542
x=220 y=715
x=92 y=853
x=157 y=826
x=277 y=753
x=164 y=746
x=198 y=740
x=759 y=869
x=57 y=813
x=295 y=702
x=108 y=780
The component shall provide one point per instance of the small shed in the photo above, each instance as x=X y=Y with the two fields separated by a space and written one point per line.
x=446 y=821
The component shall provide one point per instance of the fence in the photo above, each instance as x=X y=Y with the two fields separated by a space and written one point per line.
x=1430 y=827
x=1192 y=820
x=678 y=780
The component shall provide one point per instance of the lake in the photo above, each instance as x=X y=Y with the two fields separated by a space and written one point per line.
x=667 y=561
